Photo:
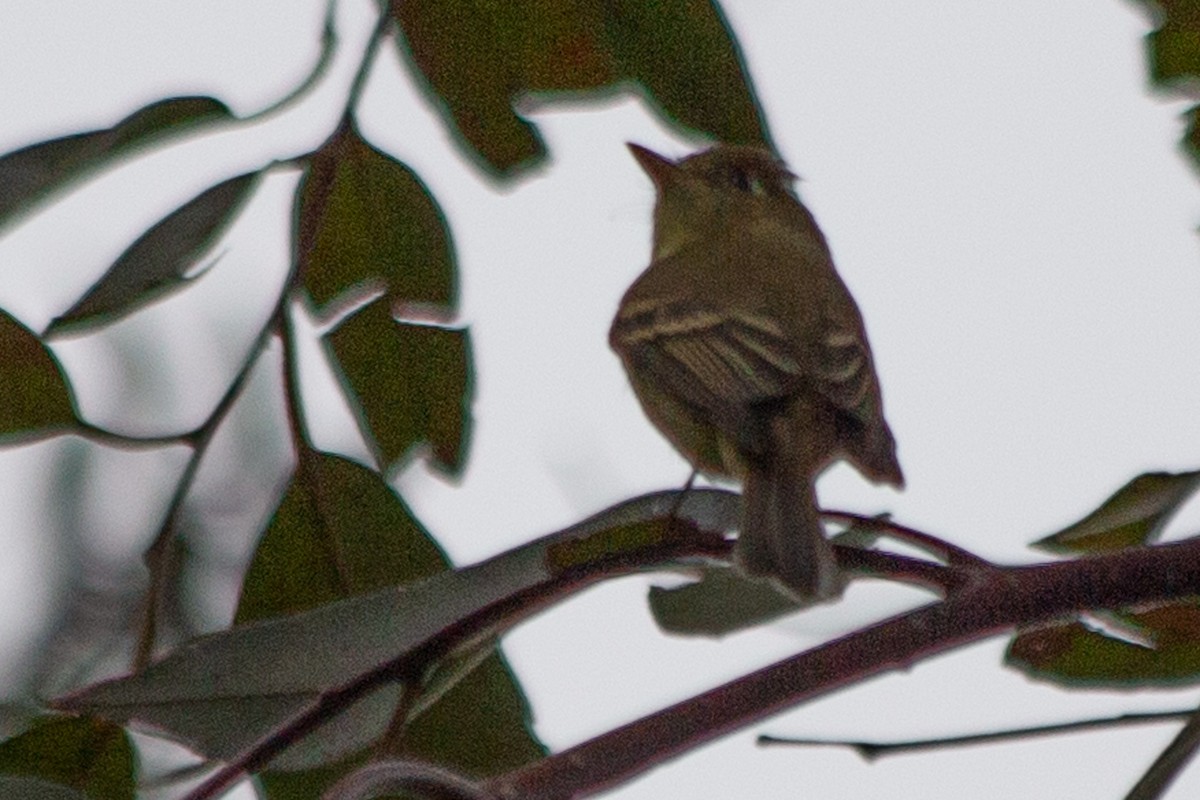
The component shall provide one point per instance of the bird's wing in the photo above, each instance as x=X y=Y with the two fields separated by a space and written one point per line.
x=844 y=375
x=725 y=365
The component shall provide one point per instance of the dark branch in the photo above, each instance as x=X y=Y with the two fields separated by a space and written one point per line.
x=1007 y=597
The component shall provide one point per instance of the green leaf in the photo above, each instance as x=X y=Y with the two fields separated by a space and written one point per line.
x=479 y=727
x=720 y=603
x=1135 y=515
x=34 y=394
x=37 y=789
x=224 y=692
x=482 y=726
x=480 y=60
x=368 y=218
x=29 y=174
x=154 y=265
x=1191 y=139
x=411 y=385
x=644 y=522
x=1173 y=50
x=90 y=756
x=685 y=56
x=479 y=57
x=340 y=531
x=1174 y=47
x=1073 y=654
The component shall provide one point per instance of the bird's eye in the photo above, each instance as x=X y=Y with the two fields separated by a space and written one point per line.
x=746 y=182
x=740 y=179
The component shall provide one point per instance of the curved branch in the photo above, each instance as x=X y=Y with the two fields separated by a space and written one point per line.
x=1005 y=598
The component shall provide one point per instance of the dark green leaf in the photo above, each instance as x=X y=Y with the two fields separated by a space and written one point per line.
x=87 y=755
x=340 y=531
x=37 y=789
x=483 y=725
x=1135 y=515
x=643 y=522
x=309 y=784
x=480 y=59
x=1072 y=654
x=222 y=693
x=720 y=603
x=1174 y=47
x=1191 y=139
x=29 y=174
x=34 y=394
x=368 y=218
x=485 y=704
x=154 y=265
x=1173 y=50
x=686 y=57
x=412 y=384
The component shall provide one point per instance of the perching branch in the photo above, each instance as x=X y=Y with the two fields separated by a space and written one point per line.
x=1005 y=598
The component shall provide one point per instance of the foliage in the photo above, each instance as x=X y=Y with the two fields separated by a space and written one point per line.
x=355 y=643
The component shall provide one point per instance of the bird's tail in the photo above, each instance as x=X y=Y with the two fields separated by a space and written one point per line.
x=782 y=537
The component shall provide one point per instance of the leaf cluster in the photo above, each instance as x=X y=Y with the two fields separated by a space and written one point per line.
x=355 y=642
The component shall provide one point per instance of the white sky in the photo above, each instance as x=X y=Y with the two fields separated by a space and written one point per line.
x=1001 y=193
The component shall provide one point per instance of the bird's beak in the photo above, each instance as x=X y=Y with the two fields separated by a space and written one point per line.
x=661 y=169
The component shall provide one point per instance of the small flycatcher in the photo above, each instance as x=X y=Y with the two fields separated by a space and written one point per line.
x=747 y=351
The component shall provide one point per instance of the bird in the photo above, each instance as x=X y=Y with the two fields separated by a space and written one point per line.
x=747 y=351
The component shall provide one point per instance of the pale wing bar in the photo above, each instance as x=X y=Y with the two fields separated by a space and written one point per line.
x=721 y=365
x=844 y=375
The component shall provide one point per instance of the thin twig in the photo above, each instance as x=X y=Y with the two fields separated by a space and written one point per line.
x=939 y=548
x=1166 y=768
x=329 y=42
x=873 y=750
x=382 y=26
x=156 y=554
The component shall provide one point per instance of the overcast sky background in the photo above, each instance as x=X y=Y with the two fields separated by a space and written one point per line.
x=1002 y=193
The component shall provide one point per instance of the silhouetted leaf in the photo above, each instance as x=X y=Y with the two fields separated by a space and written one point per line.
x=1191 y=139
x=720 y=603
x=154 y=265
x=685 y=55
x=480 y=59
x=1075 y=655
x=34 y=394
x=29 y=174
x=340 y=531
x=90 y=756
x=1173 y=49
x=369 y=218
x=224 y=692
x=1174 y=46
x=412 y=384
x=1135 y=515
x=37 y=789
x=482 y=726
